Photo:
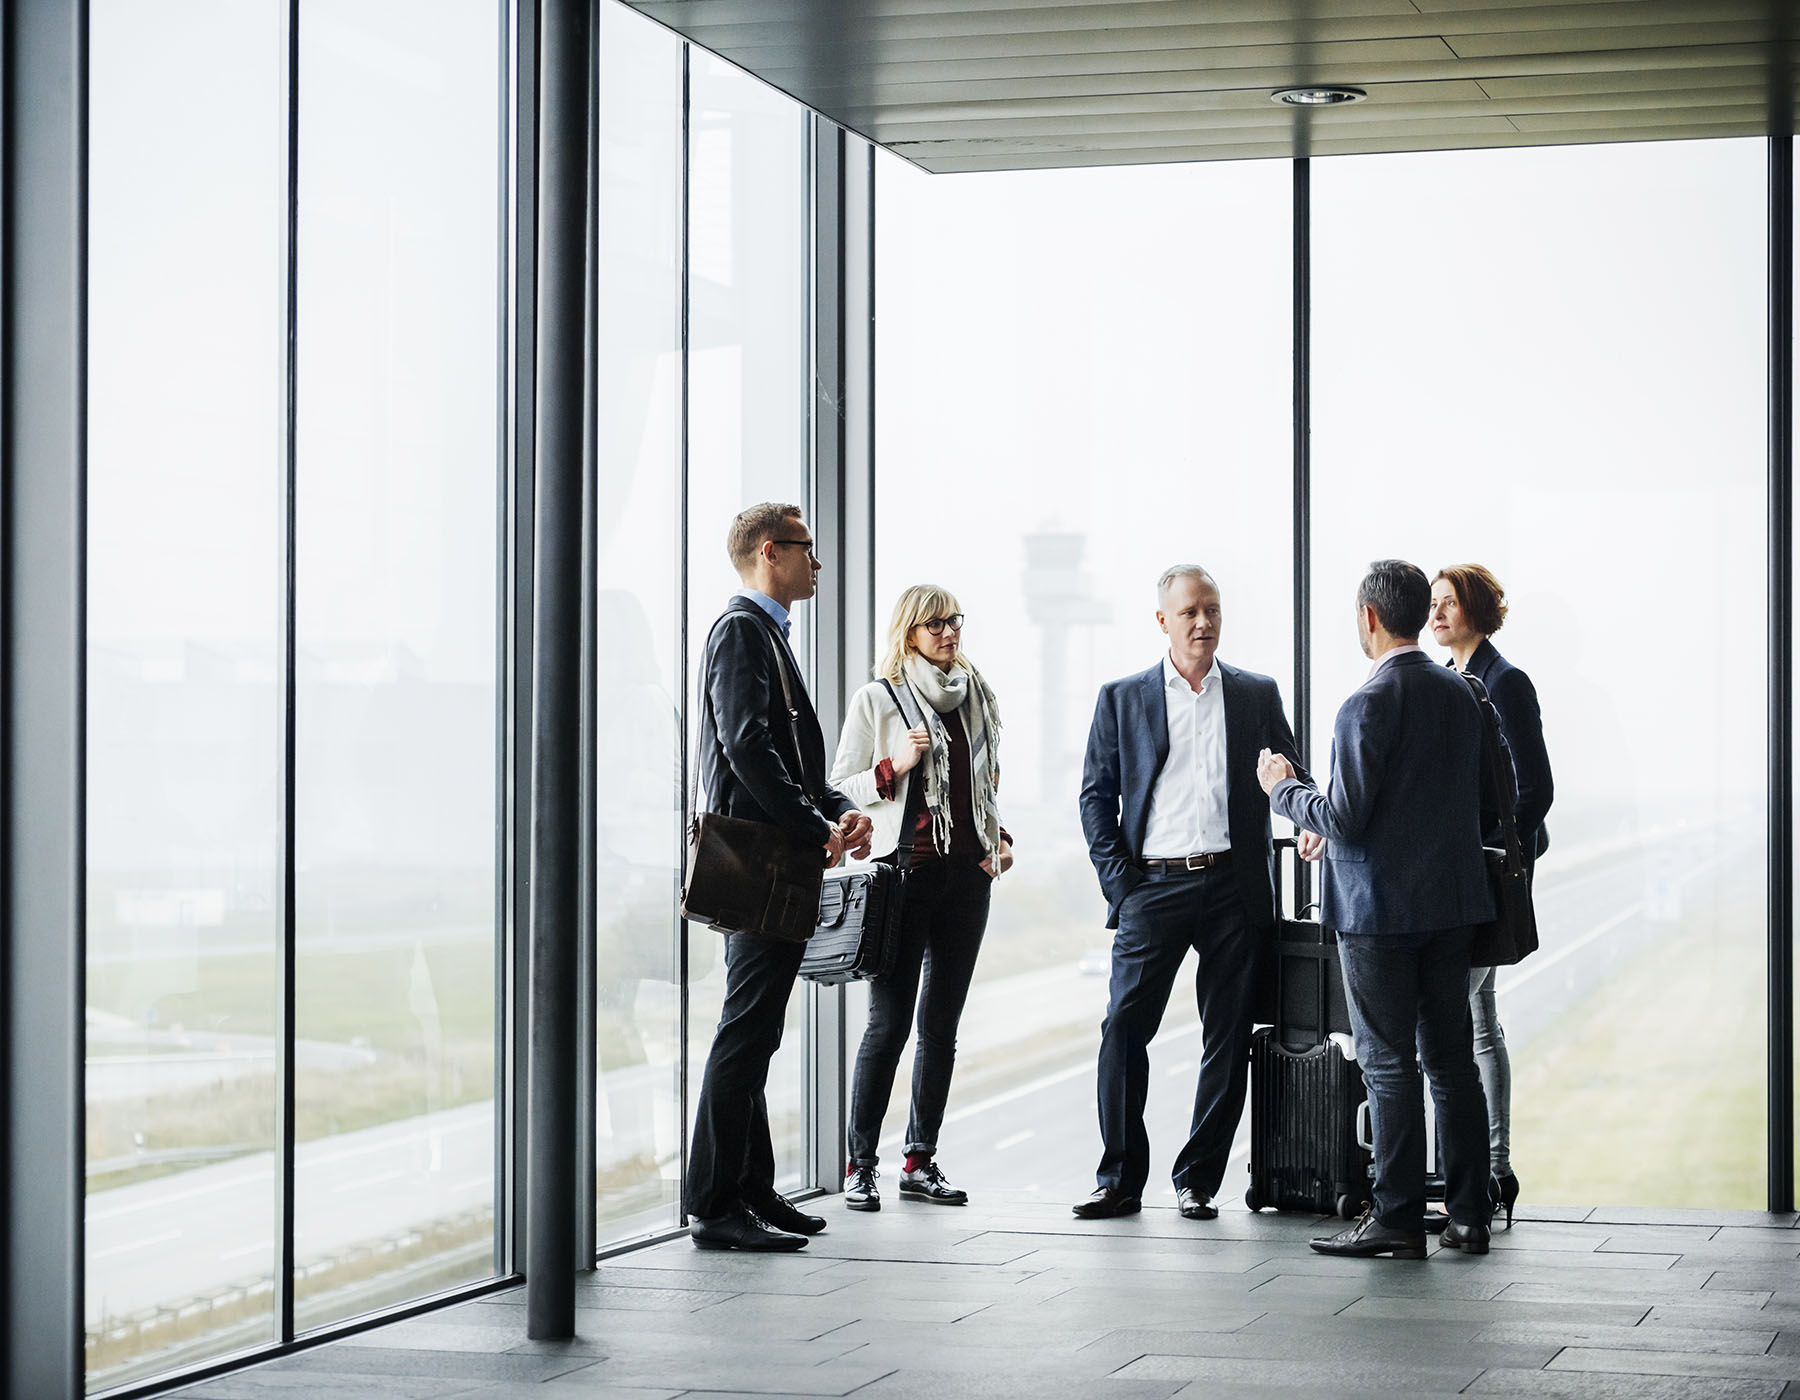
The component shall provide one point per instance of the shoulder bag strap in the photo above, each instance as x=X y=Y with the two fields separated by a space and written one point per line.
x=787 y=697
x=905 y=849
x=1490 y=743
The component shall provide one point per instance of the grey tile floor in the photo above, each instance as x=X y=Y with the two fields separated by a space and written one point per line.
x=1015 y=1297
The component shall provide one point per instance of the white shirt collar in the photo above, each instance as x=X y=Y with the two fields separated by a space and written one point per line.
x=1174 y=680
x=1390 y=654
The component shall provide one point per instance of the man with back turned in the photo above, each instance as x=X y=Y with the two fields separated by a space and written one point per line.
x=1400 y=835
x=761 y=762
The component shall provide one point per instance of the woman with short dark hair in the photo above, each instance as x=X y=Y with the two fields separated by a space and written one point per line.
x=1468 y=606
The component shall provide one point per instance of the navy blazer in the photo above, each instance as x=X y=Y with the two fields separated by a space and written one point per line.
x=747 y=753
x=1522 y=726
x=1128 y=743
x=1402 y=822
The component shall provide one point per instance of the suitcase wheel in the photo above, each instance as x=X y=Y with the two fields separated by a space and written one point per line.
x=1346 y=1208
x=1252 y=1199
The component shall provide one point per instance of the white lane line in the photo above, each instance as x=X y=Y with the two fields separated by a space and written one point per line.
x=260 y=1247
x=1569 y=950
x=260 y=1178
x=135 y=1245
x=474 y=1183
x=1179 y=1068
x=1061 y=1076
x=366 y=1181
x=1015 y=1139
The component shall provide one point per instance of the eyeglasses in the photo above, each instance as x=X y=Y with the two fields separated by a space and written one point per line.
x=807 y=545
x=936 y=625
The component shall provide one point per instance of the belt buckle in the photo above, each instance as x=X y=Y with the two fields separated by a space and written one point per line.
x=1200 y=862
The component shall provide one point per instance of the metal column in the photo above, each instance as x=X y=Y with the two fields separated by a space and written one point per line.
x=1302 y=293
x=565 y=44
x=43 y=485
x=1780 y=668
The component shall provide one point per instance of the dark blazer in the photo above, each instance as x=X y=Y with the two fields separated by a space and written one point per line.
x=1522 y=726
x=747 y=757
x=1128 y=743
x=1402 y=822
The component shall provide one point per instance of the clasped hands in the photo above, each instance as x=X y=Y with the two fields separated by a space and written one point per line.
x=1271 y=768
x=850 y=836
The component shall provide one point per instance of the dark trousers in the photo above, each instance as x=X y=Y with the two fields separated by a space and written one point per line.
x=1409 y=1003
x=943 y=919
x=1158 y=922
x=731 y=1161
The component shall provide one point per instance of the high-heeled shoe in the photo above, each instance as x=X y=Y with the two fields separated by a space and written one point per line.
x=1504 y=1190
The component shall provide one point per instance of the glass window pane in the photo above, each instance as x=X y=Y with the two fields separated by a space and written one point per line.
x=746 y=428
x=185 y=396
x=1551 y=362
x=396 y=527
x=638 y=780
x=1083 y=378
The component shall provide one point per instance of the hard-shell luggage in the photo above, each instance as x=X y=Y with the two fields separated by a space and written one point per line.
x=1309 y=1118
x=858 y=932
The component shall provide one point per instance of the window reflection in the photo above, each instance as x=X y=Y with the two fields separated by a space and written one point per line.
x=185 y=400
x=1084 y=376
x=1558 y=372
x=637 y=629
x=397 y=489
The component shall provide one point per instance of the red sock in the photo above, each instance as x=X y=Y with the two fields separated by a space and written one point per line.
x=915 y=1160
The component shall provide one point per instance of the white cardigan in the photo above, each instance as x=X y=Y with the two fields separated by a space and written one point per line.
x=873 y=730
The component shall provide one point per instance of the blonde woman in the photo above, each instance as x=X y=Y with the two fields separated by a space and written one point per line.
x=918 y=756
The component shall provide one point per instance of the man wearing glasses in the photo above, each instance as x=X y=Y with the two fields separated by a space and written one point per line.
x=761 y=764
x=1178 y=829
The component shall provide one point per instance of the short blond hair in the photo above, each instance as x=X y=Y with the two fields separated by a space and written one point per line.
x=751 y=528
x=917 y=604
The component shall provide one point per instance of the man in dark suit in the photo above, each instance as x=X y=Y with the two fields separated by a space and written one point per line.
x=1178 y=831
x=1400 y=834
x=762 y=763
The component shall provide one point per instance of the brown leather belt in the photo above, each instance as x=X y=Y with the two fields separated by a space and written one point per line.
x=1186 y=865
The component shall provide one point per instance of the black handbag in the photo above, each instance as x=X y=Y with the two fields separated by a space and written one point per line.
x=754 y=877
x=1511 y=935
x=858 y=931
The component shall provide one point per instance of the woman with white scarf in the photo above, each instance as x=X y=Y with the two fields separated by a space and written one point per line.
x=917 y=755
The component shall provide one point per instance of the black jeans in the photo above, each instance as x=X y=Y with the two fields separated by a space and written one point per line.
x=944 y=917
x=1409 y=1002
x=732 y=1160
x=1158 y=922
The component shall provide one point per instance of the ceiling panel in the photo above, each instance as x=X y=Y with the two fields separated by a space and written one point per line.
x=1028 y=84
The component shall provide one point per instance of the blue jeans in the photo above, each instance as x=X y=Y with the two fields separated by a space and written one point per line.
x=942 y=920
x=1409 y=1003
x=1158 y=922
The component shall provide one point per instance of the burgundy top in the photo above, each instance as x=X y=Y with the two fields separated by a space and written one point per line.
x=965 y=841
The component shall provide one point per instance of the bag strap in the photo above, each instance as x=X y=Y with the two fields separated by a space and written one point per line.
x=793 y=714
x=1492 y=750
x=907 y=835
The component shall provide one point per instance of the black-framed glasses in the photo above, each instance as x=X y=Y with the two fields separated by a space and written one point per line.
x=807 y=545
x=936 y=625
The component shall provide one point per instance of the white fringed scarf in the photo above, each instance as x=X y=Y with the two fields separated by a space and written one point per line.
x=961 y=688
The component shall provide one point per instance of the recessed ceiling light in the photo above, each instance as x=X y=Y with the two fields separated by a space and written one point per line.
x=1317 y=96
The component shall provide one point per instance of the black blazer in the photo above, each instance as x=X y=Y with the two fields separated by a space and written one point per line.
x=1522 y=725
x=748 y=764
x=1128 y=744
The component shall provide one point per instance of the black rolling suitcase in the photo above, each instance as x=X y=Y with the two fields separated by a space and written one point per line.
x=1309 y=1125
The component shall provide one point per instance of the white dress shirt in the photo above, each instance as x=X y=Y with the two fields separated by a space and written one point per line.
x=1388 y=656
x=1188 y=806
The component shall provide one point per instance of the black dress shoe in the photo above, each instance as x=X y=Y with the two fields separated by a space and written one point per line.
x=1470 y=1239
x=739 y=1230
x=1369 y=1238
x=1193 y=1206
x=1106 y=1203
x=777 y=1211
x=927 y=1182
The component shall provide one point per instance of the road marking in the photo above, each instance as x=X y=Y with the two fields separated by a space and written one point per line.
x=1179 y=1068
x=257 y=1248
x=1061 y=1076
x=362 y=1182
x=160 y=1201
x=1015 y=1139
x=1598 y=931
x=485 y=1183
x=139 y=1244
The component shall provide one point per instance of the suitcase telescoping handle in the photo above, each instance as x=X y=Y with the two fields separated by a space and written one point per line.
x=1302 y=902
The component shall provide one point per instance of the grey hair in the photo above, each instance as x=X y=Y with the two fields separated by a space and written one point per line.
x=1400 y=595
x=1175 y=571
